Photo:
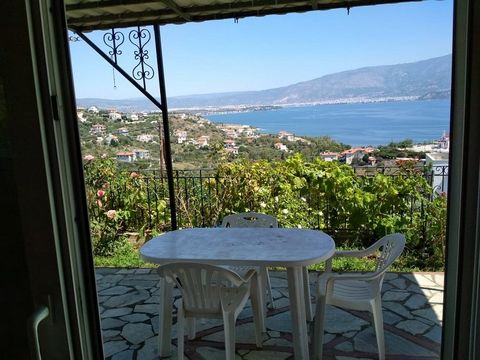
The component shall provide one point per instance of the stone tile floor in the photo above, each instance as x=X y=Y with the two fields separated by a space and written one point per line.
x=412 y=310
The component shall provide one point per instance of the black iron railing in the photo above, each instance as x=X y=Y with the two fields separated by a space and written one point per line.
x=200 y=198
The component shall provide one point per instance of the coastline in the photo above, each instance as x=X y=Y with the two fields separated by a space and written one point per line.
x=356 y=124
x=233 y=109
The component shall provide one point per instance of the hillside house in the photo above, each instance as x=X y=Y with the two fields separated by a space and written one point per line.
x=248 y=132
x=133 y=117
x=98 y=129
x=232 y=150
x=202 y=141
x=122 y=131
x=125 y=156
x=141 y=154
x=229 y=143
x=286 y=135
x=444 y=143
x=93 y=110
x=80 y=117
x=145 y=138
x=329 y=156
x=114 y=116
x=181 y=136
x=231 y=133
x=438 y=161
x=111 y=138
x=356 y=153
x=281 y=147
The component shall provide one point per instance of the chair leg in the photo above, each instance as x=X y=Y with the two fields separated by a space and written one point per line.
x=192 y=333
x=268 y=286
x=306 y=294
x=257 y=306
x=258 y=287
x=180 y=332
x=229 y=329
x=319 y=328
x=378 y=324
x=258 y=318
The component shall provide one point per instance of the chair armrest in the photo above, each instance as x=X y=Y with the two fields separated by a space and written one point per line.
x=331 y=277
x=358 y=253
x=347 y=276
x=248 y=276
x=353 y=253
x=346 y=253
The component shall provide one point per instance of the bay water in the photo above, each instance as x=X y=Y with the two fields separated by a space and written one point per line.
x=359 y=124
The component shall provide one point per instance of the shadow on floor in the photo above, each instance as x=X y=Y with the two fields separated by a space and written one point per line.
x=412 y=311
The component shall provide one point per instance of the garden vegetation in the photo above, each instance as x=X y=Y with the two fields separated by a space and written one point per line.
x=354 y=209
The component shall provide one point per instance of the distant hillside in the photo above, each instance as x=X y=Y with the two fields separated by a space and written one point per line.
x=425 y=79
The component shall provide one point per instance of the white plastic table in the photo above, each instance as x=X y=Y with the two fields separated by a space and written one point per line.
x=290 y=248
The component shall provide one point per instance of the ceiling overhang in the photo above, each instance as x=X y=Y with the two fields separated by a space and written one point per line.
x=87 y=15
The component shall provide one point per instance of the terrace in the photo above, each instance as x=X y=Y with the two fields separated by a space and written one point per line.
x=129 y=297
x=412 y=310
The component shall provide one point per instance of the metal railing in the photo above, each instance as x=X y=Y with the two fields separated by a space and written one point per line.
x=199 y=198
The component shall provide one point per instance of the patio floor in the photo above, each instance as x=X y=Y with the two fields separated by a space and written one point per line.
x=412 y=310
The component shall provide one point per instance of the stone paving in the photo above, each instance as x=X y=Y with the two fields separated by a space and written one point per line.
x=412 y=310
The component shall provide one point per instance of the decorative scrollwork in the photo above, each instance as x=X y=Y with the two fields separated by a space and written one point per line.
x=440 y=170
x=142 y=71
x=73 y=38
x=113 y=40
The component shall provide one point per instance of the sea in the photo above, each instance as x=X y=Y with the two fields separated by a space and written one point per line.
x=358 y=124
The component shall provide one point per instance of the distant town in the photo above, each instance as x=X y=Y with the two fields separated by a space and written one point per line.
x=134 y=140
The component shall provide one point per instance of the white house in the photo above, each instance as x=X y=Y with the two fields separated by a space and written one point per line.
x=142 y=154
x=231 y=133
x=133 y=117
x=126 y=156
x=286 y=135
x=444 y=142
x=438 y=162
x=109 y=138
x=248 y=132
x=356 y=153
x=329 y=156
x=114 y=116
x=98 y=129
x=93 y=109
x=80 y=117
x=203 y=140
x=122 y=131
x=181 y=136
x=281 y=147
x=145 y=137
x=229 y=144
x=232 y=150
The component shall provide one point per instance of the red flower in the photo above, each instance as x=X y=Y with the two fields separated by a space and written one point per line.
x=134 y=175
x=100 y=193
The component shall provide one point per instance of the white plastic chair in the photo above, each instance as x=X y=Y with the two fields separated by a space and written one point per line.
x=357 y=291
x=255 y=220
x=213 y=292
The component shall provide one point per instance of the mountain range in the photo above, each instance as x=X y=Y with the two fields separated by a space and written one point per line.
x=426 y=79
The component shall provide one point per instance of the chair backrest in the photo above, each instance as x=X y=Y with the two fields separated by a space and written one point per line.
x=390 y=246
x=202 y=286
x=250 y=219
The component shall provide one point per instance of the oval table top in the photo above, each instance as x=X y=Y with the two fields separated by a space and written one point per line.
x=286 y=247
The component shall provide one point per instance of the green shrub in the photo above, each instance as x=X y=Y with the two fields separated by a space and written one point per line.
x=119 y=202
x=355 y=210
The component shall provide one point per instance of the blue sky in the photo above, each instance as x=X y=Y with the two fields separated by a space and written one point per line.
x=274 y=51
